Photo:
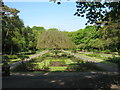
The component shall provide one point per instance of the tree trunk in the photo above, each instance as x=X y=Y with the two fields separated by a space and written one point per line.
x=11 y=52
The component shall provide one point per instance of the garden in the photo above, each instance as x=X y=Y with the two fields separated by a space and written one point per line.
x=63 y=62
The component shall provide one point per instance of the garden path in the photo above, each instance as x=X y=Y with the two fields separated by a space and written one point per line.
x=98 y=63
x=36 y=55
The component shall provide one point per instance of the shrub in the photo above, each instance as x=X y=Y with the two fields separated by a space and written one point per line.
x=106 y=51
x=64 y=55
x=33 y=52
x=83 y=66
x=93 y=55
x=114 y=60
x=10 y=56
x=23 y=56
x=23 y=67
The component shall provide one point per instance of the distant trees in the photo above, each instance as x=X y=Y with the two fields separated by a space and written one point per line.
x=90 y=38
x=17 y=37
x=54 y=39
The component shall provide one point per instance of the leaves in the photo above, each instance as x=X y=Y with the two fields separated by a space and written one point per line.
x=98 y=11
x=54 y=39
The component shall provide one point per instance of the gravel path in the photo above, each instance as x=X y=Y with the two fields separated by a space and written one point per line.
x=103 y=65
x=16 y=63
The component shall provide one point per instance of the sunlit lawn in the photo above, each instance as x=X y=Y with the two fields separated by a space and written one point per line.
x=58 y=68
x=100 y=59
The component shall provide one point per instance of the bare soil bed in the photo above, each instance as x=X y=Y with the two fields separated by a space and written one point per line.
x=58 y=63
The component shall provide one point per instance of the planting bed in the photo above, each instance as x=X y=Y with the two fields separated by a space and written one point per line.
x=48 y=62
x=58 y=63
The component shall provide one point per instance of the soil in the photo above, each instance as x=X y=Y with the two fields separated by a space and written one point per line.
x=57 y=63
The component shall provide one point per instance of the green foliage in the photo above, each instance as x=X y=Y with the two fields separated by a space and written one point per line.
x=113 y=60
x=106 y=51
x=98 y=12
x=53 y=29
x=23 y=67
x=54 y=39
x=94 y=55
x=83 y=67
x=38 y=28
x=16 y=37
x=83 y=35
x=10 y=56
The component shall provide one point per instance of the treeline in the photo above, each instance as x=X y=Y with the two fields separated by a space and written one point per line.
x=18 y=38
x=15 y=36
x=106 y=38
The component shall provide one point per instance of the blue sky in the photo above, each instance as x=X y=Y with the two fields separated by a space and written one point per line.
x=49 y=15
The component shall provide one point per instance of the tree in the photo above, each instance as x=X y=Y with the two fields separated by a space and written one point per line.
x=54 y=39
x=111 y=33
x=11 y=29
x=16 y=37
x=98 y=11
x=53 y=29
x=41 y=29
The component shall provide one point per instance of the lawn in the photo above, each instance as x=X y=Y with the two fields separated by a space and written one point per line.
x=99 y=57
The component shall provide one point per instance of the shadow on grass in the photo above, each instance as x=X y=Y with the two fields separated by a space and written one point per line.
x=115 y=60
x=84 y=67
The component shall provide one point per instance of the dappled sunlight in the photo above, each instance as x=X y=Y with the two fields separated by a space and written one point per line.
x=59 y=82
x=46 y=73
x=36 y=57
x=64 y=80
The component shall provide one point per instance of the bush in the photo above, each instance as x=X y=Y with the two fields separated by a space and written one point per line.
x=64 y=55
x=93 y=55
x=83 y=67
x=23 y=56
x=106 y=51
x=75 y=59
x=114 y=60
x=10 y=56
x=33 y=52
x=23 y=67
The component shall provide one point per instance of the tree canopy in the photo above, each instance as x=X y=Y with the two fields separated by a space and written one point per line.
x=17 y=37
x=97 y=12
x=54 y=39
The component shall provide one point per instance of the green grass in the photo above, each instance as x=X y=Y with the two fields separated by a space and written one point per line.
x=68 y=61
x=42 y=64
x=57 y=68
x=98 y=59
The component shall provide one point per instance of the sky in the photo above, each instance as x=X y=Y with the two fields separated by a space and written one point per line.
x=49 y=15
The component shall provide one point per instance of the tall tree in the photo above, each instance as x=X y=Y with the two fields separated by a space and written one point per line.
x=54 y=39
x=11 y=29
